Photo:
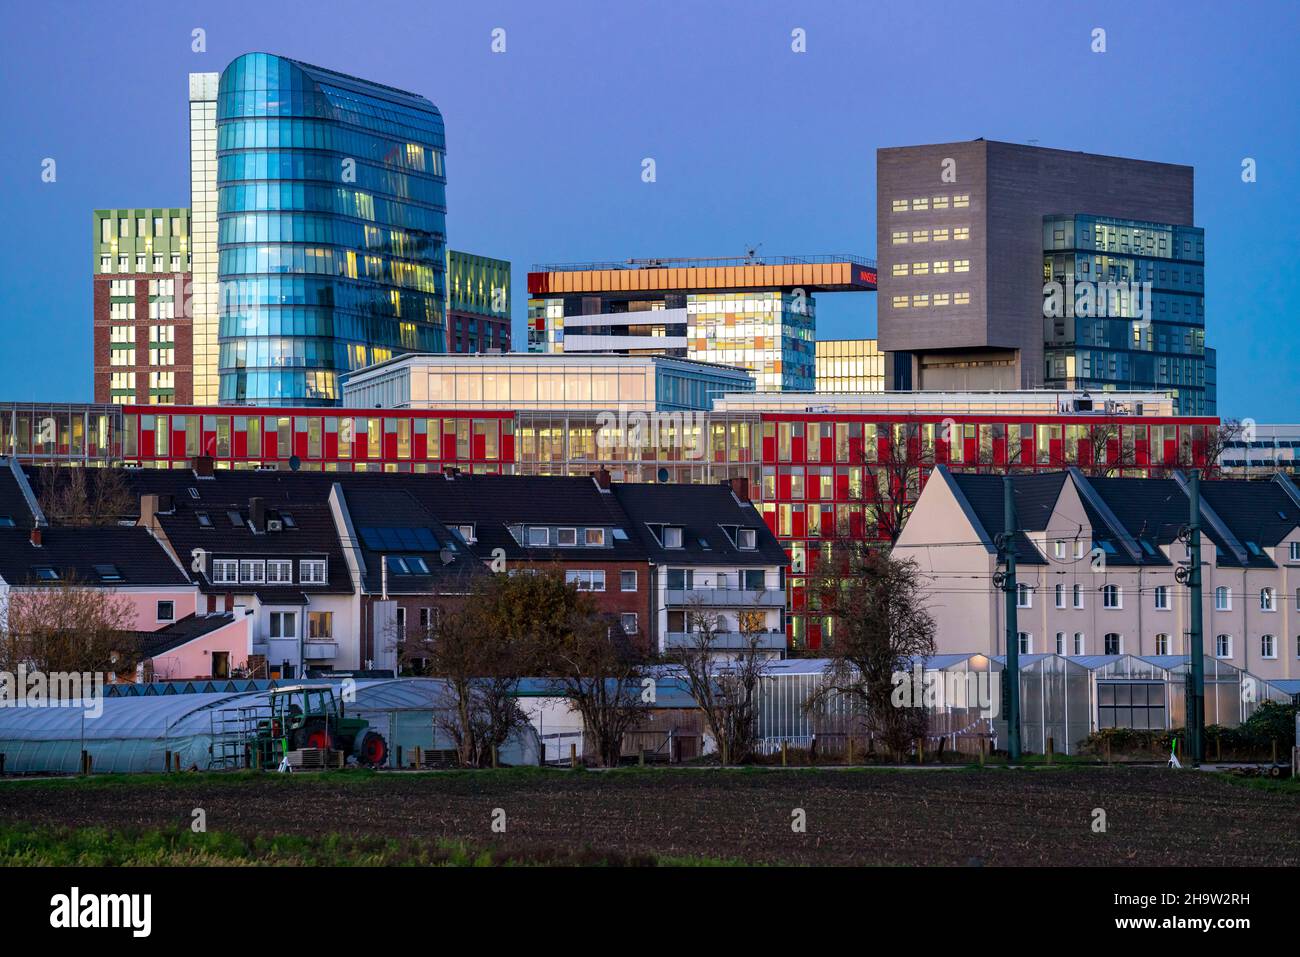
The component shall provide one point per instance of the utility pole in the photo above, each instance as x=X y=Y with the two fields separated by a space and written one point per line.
x=1011 y=674
x=1196 y=675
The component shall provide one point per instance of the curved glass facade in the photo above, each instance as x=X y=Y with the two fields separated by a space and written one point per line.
x=331 y=204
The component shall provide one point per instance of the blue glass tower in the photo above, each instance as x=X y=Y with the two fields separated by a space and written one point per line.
x=331 y=204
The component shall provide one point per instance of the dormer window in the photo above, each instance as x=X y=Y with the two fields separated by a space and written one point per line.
x=225 y=571
x=672 y=536
x=251 y=572
x=108 y=572
x=311 y=572
x=747 y=538
x=466 y=532
x=204 y=519
x=279 y=572
x=45 y=573
x=566 y=537
x=539 y=535
x=595 y=537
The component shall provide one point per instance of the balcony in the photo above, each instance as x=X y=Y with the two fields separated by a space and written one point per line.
x=728 y=641
x=724 y=598
x=319 y=650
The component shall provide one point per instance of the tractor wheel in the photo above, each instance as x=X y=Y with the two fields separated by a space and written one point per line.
x=372 y=750
x=313 y=736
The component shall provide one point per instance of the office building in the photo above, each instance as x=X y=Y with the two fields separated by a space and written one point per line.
x=142 y=335
x=756 y=314
x=849 y=365
x=203 y=228
x=478 y=303
x=960 y=233
x=582 y=383
x=331 y=197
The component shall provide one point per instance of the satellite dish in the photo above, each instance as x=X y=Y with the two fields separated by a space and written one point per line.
x=663 y=475
x=295 y=463
x=447 y=556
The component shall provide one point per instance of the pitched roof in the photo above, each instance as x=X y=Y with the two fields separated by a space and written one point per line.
x=423 y=555
x=14 y=504
x=1035 y=494
x=706 y=514
x=182 y=632
x=116 y=556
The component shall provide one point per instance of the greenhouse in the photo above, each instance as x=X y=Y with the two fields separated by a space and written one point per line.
x=135 y=733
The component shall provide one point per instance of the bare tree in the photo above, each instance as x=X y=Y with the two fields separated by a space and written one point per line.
x=881 y=628
x=68 y=627
x=74 y=495
x=1221 y=437
x=725 y=686
x=482 y=665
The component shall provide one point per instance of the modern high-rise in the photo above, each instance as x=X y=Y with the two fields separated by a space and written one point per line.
x=1131 y=309
x=755 y=314
x=478 y=303
x=849 y=365
x=960 y=232
x=140 y=260
x=203 y=233
x=331 y=208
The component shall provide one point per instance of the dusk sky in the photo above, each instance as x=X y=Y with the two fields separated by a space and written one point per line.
x=753 y=143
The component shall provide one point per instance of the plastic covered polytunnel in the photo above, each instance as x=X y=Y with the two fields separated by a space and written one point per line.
x=135 y=733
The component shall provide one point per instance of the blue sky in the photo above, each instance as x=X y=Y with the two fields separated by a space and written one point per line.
x=753 y=143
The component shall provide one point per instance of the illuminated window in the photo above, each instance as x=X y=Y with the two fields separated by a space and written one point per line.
x=920 y=236
x=921 y=269
x=941 y=234
x=900 y=206
x=921 y=203
x=940 y=266
x=900 y=302
x=961 y=265
x=921 y=299
x=941 y=202
x=900 y=269
x=961 y=298
x=961 y=232
x=961 y=201
x=899 y=237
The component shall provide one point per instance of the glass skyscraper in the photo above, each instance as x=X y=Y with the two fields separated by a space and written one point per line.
x=1124 y=309
x=331 y=229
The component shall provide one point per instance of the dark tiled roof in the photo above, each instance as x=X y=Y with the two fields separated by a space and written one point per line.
x=1035 y=496
x=182 y=632
x=312 y=535
x=701 y=511
x=135 y=555
x=13 y=502
x=378 y=510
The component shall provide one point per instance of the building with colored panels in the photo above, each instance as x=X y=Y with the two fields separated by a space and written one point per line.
x=478 y=303
x=756 y=314
x=140 y=260
x=810 y=461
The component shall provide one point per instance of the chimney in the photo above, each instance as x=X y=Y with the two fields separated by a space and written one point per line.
x=601 y=477
x=740 y=487
x=149 y=511
x=257 y=513
x=36 y=537
x=203 y=466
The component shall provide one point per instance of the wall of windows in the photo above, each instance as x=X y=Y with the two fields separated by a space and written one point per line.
x=331 y=229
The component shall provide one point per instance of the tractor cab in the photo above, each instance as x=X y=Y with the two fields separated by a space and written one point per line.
x=312 y=716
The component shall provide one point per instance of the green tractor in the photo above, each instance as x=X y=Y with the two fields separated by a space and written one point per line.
x=310 y=716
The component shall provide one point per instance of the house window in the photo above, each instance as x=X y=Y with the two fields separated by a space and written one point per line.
x=225 y=571
x=320 y=625
x=1295 y=551
x=1024 y=596
x=747 y=538
x=1162 y=598
x=166 y=611
x=539 y=536
x=1223 y=646
x=283 y=624
x=1222 y=599
x=253 y=573
x=1114 y=644
x=627 y=581
x=1060 y=642
x=1059 y=549
x=466 y=532
x=594 y=537
x=1060 y=596
x=586 y=579
x=279 y=572
x=566 y=536
x=1112 y=597
x=1025 y=642
x=1267 y=646
x=311 y=572
x=1078 y=596
x=629 y=623
x=1078 y=643
x=1266 y=602
x=1162 y=644
x=672 y=537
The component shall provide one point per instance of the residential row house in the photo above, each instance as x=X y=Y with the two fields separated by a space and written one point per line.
x=302 y=573
x=1101 y=566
